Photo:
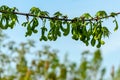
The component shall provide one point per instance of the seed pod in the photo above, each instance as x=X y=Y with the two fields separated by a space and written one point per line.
x=93 y=41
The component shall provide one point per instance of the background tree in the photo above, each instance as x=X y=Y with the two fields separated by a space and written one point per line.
x=22 y=63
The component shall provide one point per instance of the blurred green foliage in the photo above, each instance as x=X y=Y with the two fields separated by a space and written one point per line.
x=23 y=62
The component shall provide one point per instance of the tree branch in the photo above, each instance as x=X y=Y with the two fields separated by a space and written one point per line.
x=64 y=19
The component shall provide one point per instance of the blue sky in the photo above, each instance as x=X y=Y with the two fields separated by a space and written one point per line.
x=73 y=8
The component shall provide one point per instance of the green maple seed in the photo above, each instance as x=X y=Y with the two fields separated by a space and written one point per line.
x=59 y=33
x=43 y=37
x=28 y=33
x=49 y=37
x=99 y=44
x=11 y=25
x=116 y=28
x=93 y=41
x=75 y=37
x=67 y=30
x=102 y=42
x=35 y=31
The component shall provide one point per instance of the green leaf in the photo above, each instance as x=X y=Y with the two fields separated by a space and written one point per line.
x=86 y=16
x=57 y=14
x=113 y=14
x=35 y=11
x=43 y=13
x=101 y=14
x=116 y=23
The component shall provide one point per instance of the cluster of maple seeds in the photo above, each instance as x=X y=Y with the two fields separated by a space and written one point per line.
x=85 y=28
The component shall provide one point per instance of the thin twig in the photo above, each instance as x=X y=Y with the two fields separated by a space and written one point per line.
x=47 y=17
